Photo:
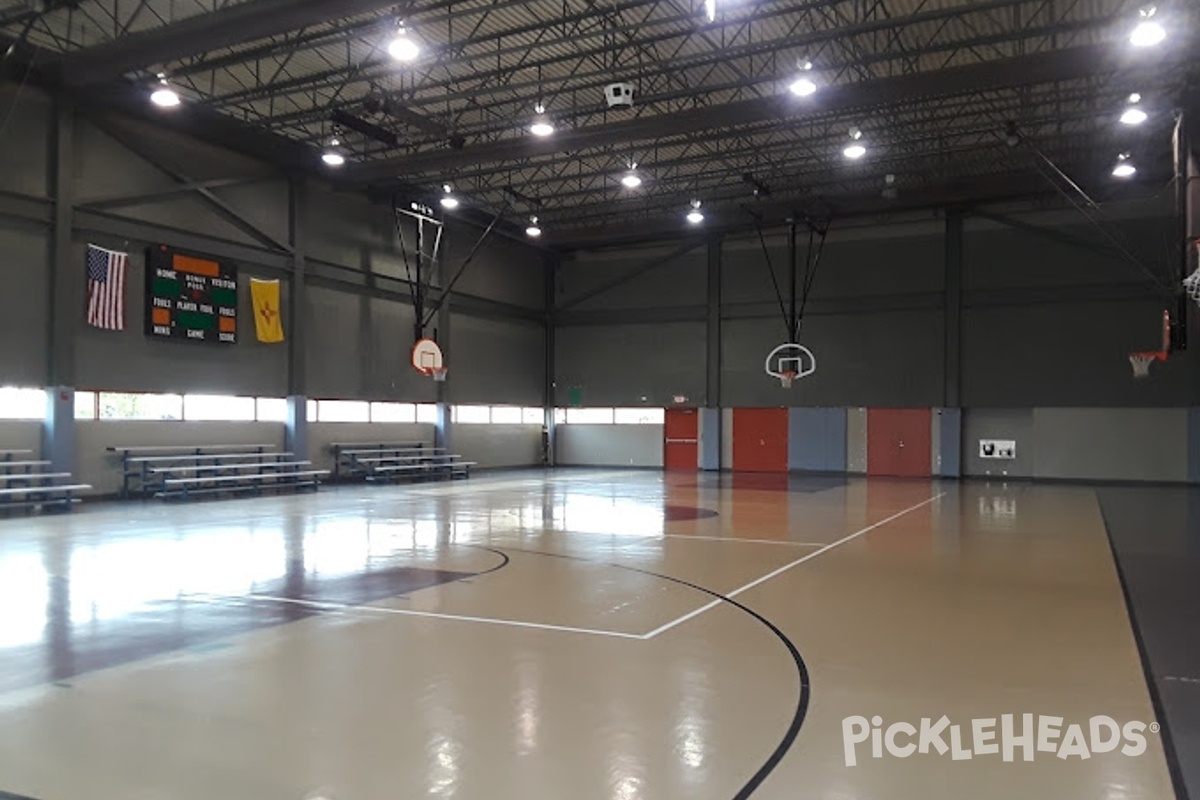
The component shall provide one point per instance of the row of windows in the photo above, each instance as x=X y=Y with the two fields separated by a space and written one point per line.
x=30 y=404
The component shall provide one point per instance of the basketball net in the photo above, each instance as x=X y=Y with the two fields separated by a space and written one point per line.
x=786 y=378
x=439 y=374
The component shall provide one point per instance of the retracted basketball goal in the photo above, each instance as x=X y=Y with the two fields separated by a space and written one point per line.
x=1142 y=361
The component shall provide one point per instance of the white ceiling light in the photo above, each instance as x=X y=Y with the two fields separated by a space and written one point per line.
x=1134 y=115
x=631 y=180
x=534 y=230
x=164 y=96
x=804 y=85
x=1148 y=32
x=331 y=156
x=856 y=149
x=542 y=126
x=710 y=9
x=695 y=216
x=404 y=47
x=448 y=201
x=1124 y=167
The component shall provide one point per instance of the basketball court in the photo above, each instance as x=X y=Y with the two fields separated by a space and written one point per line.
x=606 y=634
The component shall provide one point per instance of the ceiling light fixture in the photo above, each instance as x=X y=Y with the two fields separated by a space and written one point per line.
x=695 y=216
x=804 y=85
x=1134 y=115
x=1124 y=167
x=448 y=201
x=331 y=156
x=1148 y=32
x=710 y=10
x=631 y=179
x=855 y=150
x=534 y=230
x=164 y=96
x=542 y=126
x=403 y=46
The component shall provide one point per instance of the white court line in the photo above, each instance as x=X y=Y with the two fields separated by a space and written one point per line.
x=786 y=567
x=405 y=612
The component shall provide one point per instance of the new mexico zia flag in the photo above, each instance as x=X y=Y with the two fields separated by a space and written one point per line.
x=267 y=324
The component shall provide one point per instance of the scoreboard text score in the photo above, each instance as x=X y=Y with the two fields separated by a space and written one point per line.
x=190 y=297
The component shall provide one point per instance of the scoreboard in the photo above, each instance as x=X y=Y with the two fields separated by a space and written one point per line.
x=190 y=297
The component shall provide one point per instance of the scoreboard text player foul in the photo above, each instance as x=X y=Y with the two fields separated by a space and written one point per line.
x=190 y=297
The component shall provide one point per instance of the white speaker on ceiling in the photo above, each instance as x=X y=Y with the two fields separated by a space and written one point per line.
x=619 y=95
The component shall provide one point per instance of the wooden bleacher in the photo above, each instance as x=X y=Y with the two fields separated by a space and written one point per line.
x=390 y=461
x=183 y=472
x=26 y=484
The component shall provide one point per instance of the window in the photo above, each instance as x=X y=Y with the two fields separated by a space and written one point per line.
x=22 y=403
x=638 y=416
x=271 y=409
x=123 y=405
x=343 y=411
x=85 y=405
x=223 y=408
x=427 y=412
x=393 y=412
x=533 y=416
x=310 y=411
x=472 y=415
x=589 y=416
x=560 y=416
x=506 y=415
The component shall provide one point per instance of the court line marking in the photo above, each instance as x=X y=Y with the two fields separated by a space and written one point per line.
x=407 y=612
x=774 y=573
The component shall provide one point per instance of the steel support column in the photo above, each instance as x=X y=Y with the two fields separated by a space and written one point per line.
x=65 y=300
x=297 y=379
x=952 y=311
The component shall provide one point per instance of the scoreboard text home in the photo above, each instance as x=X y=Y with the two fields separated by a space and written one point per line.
x=190 y=297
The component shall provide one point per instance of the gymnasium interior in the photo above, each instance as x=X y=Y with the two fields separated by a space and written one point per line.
x=603 y=399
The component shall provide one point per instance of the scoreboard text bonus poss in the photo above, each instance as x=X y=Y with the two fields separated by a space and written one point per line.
x=189 y=297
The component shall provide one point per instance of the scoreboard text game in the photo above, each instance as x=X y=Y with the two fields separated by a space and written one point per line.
x=190 y=297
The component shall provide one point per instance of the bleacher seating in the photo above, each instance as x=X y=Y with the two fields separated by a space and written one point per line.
x=26 y=484
x=183 y=472
x=390 y=461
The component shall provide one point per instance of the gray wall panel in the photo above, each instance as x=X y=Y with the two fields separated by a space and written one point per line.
x=888 y=358
x=503 y=270
x=25 y=140
x=678 y=282
x=23 y=303
x=358 y=347
x=998 y=423
x=493 y=361
x=856 y=440
x=1070 y=354
x=1145 y=444
x=499 y=445
x=817 y=439
x=630 y=364
x=609 y=445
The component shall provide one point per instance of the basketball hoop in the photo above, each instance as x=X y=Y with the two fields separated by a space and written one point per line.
x=790 y=361
x=439 y=374
x=1141 y=362
x=427 y=357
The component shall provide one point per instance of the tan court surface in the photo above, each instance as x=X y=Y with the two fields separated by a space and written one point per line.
x=579 y=634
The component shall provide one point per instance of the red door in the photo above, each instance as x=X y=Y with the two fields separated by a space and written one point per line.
x=899 y=442
x=760 y=440
x=681 y=439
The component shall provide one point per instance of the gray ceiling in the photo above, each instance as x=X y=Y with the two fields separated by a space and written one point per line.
x=930 y=83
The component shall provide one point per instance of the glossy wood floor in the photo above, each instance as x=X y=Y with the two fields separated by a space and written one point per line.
x=578 y=634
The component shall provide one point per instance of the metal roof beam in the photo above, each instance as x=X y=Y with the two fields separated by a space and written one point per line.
x=255 y=19
x=1057 y=65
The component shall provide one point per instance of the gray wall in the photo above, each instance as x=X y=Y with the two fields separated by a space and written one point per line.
x=355 y=307
x=1044 y=322
x=609 y=445
x=1122 y=444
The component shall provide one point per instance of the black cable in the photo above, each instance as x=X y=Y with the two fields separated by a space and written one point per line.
x=771 y=270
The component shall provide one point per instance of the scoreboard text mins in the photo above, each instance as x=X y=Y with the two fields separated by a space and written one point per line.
x=188 y=297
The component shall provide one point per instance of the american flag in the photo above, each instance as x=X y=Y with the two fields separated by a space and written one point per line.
x=106 y=288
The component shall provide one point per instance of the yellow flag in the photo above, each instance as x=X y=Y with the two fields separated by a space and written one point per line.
x=267 y=323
